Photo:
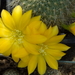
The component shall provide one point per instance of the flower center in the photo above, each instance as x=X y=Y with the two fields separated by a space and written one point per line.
x=18 y=36
x=42 y=49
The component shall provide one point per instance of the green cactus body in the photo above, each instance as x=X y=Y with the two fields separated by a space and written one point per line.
x=51 y=10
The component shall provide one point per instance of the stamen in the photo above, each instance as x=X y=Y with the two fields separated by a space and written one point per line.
x=42 y=49
x=18 y=36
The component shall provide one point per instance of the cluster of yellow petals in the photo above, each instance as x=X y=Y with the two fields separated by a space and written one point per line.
x=50 y=51
x=27 y=38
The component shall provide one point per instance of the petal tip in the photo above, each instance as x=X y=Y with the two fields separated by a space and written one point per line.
x=69 y=47
x=63 y=35
x=56 y=26
x=3 y=11
x=18 y=6
x=30 y=11
x=39 y=16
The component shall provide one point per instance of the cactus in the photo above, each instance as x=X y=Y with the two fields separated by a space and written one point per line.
x=55 y=11
x=11 y=72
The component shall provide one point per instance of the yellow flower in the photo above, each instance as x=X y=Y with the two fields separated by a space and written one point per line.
x=17 y=37
x=49 y=52
x=70 y=28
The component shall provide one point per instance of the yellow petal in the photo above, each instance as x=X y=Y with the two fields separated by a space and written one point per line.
x=37 y=18
x=21 y=52
x=31 y=48
x=7 y=19
x=54 y=31
x=26 y=59
x=5 y=44
x=51 y=61
x=7 y=53
x=15 y=58
x=36 y=39
x=4 y=32
x=25 y=19
x=58 y=58
x=27 y=31
x=57 y=54
x=56 y=39
x=16 y=14
x=42 y=28
x=51 y=31
x=22 y=64
x=32 y=64
x=35 y=25
x=41 y=65
x=71 y=28
x=59 y=46
x=34 y=31
x=1 y=24
x=48 y=32
x=18 y=51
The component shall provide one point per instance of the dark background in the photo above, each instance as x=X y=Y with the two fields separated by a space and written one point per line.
x=2 y=4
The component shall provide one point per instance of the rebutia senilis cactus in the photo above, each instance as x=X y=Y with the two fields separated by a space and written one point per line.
x=56 y=11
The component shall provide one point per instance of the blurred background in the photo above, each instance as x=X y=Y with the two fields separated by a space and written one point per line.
x=4 y=4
